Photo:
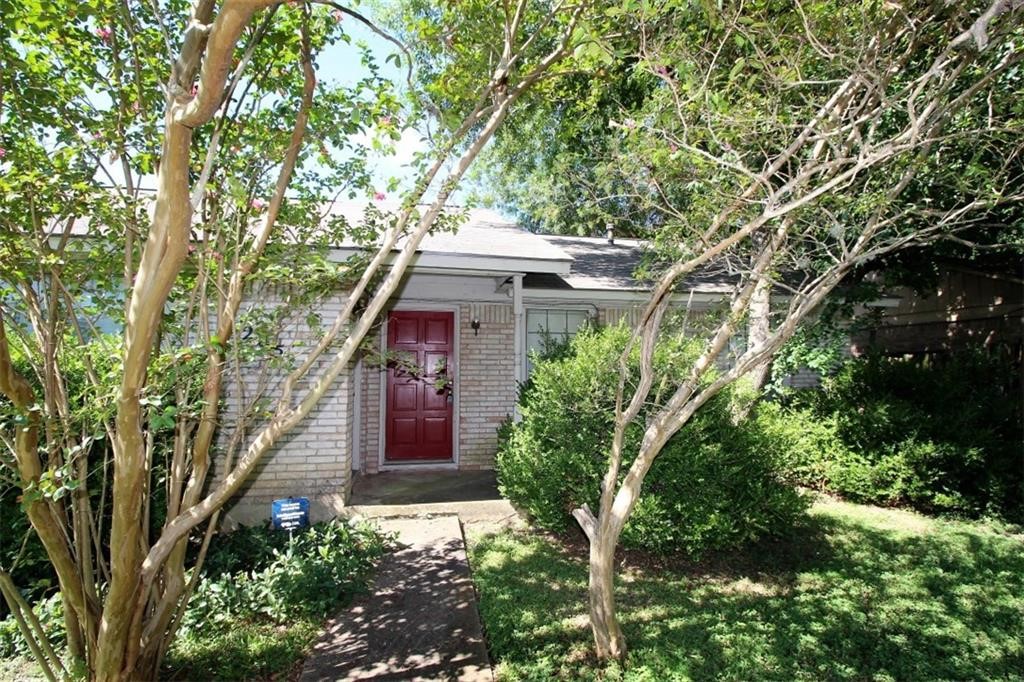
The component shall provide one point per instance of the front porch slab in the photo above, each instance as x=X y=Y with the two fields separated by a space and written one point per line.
x=471 y=495
x=424 y=487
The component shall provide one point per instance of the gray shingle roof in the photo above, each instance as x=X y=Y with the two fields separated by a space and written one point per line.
x=602 y=266
x=599 y=265
x=593 y=263
x=484 y=233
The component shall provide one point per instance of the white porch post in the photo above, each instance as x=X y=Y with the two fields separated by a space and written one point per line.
x=518 y=341
x=357 y=417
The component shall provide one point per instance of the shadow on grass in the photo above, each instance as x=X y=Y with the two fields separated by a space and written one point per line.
x=843 y=598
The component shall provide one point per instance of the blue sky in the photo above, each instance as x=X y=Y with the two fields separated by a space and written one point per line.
x=336 y=64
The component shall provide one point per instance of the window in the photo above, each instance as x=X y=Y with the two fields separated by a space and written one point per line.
x=547 y=325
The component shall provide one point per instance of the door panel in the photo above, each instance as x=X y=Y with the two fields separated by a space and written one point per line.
x=435 y=401
x=406 y=330
x=437 y=332
x=418 y=414
x=435 y=362
x=404 y=397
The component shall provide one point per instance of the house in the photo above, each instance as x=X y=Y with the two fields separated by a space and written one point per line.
x=470 y=308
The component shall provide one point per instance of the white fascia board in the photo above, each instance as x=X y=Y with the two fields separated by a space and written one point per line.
x=493 y=275
x=464 y=262
x=614 y=296
x=884 y=302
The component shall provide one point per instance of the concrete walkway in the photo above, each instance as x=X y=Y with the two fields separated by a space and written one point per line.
x=420 y=620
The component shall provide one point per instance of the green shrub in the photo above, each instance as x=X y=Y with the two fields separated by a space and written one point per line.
x=90 y=406
x=50 y=612
x=806 y=445
x=247 y=548
x=256 y=582
x=939 y=437
x=712 y=486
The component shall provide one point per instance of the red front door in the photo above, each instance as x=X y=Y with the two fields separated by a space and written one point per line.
x=419 y=392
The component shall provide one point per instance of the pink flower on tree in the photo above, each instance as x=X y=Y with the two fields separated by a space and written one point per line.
x=3 y=152
x=380 y=196
x=338 y=15
x=258 y=204
x=104 y=33
x=384 y=121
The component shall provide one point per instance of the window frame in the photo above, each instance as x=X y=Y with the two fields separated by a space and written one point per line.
x=589 y=313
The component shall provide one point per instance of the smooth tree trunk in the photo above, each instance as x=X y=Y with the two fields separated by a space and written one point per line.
x=127 y=630
x=752 y=297
x=759 y=329
x=609 y=642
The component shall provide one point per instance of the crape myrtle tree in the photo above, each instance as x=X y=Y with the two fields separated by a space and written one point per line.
x=123 y=312
x=559 y=164
x=792 y=143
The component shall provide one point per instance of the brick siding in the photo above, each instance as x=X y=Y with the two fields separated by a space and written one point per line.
x=313 y=459
x=486 y=382
x=369 y=440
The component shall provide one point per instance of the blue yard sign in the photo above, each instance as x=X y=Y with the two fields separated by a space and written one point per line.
x=290 y=514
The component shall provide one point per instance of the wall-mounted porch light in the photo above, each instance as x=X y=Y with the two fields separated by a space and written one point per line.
x=475 y=326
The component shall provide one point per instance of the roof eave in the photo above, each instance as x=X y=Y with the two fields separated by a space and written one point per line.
x=630 y=295
x=473 y=262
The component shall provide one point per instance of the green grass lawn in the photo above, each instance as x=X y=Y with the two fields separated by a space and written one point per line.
x=857 y=593
x=247 y=651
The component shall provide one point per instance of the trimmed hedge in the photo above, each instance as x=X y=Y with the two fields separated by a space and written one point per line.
x=713 y=486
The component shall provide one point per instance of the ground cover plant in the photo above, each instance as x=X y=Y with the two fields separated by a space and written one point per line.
x=262 y=603
x=856 y=592
x=266 y=596
x=717 y=487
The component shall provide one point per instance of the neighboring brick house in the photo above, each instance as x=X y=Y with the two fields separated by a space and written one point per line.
x=470 y=308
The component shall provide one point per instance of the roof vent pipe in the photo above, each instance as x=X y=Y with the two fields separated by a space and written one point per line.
x=610 y=233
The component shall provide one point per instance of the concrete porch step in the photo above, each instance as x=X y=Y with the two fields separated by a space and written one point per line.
x=472 y=513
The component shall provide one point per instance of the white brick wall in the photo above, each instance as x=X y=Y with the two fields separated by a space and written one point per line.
x=803 y=378
x=607 y=316
x=313 y=459
x=487 y=384
x=369 y=440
